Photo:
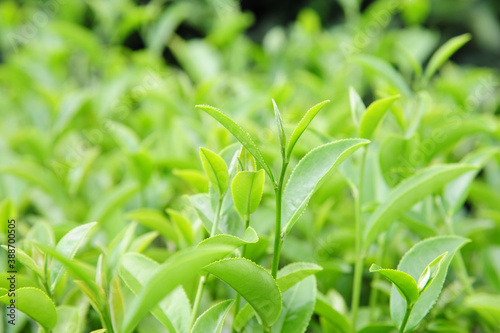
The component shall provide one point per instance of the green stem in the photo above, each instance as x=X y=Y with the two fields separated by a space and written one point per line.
x=405 y=319
x=243 y=253
x=358 y=264
x=278 y=240
x=203 y=279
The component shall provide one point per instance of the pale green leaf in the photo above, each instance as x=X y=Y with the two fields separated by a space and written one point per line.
x=408 y=193
x=68 y=319
x=260 y=291
x=429 y=273
x=26 y=260
x=155 y=220
x=298 y=307
x=414 y=262
x=34 y=303
x=174 y=310
x=293 y=273
x=249 y=237
x=373 y=116
x=404 y=283
x=111 y=201
x=455 y=192
x=281 y=129
x=335 y=318
x=242 y=136
x=385 y=70
x=142 y=242
x=183 y=224
x=288 y=276
x=76 y=269
x=357 y=105
x=212 y=320
x=486 y=305
x=68 y=246
x=116 y=303
x=197 y=179
x=246 y=189
x=6 y=214
x=444 y=53
x=310 y=173
x=216 y=170
x=302 y=125
x=180 y=267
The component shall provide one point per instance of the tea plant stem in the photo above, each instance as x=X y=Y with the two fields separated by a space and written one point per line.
x=203 y=279
x=405 y=319
x=358 y=264
x=278 y=240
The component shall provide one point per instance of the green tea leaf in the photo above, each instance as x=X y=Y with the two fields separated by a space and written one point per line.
x=414 y=262
x=37 y=175
x=242 y=136
x=212 y=320
x=486 y=305
x=373 y=115
x=444 y=53
x=408 y=193
x=298 y=307
x=302 y=125
x=112 y=201
x=6 y=214
x=385 y=70
x=395 y=156
x=310 y=173
x=246 y=189
x=288 y=277
x=197 y=179
x=174 y=310
x=178 y=268
x=155 y=220
x=68 y=246
x=430 y=273
x=293 y=273
x=68 y=319
x=455 y=192
x=34 y=303
x=183 y=224
x=325 y=310
x=357 y=105
x=76 y=269
x=142 y=242
x=27 y=261
x=281 y=129
x=260 y=291
x=116 y=303
x=216 y=170
x=404 y=283
x=249 y=237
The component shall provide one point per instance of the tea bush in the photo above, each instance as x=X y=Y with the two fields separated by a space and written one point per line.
x=159 y=171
